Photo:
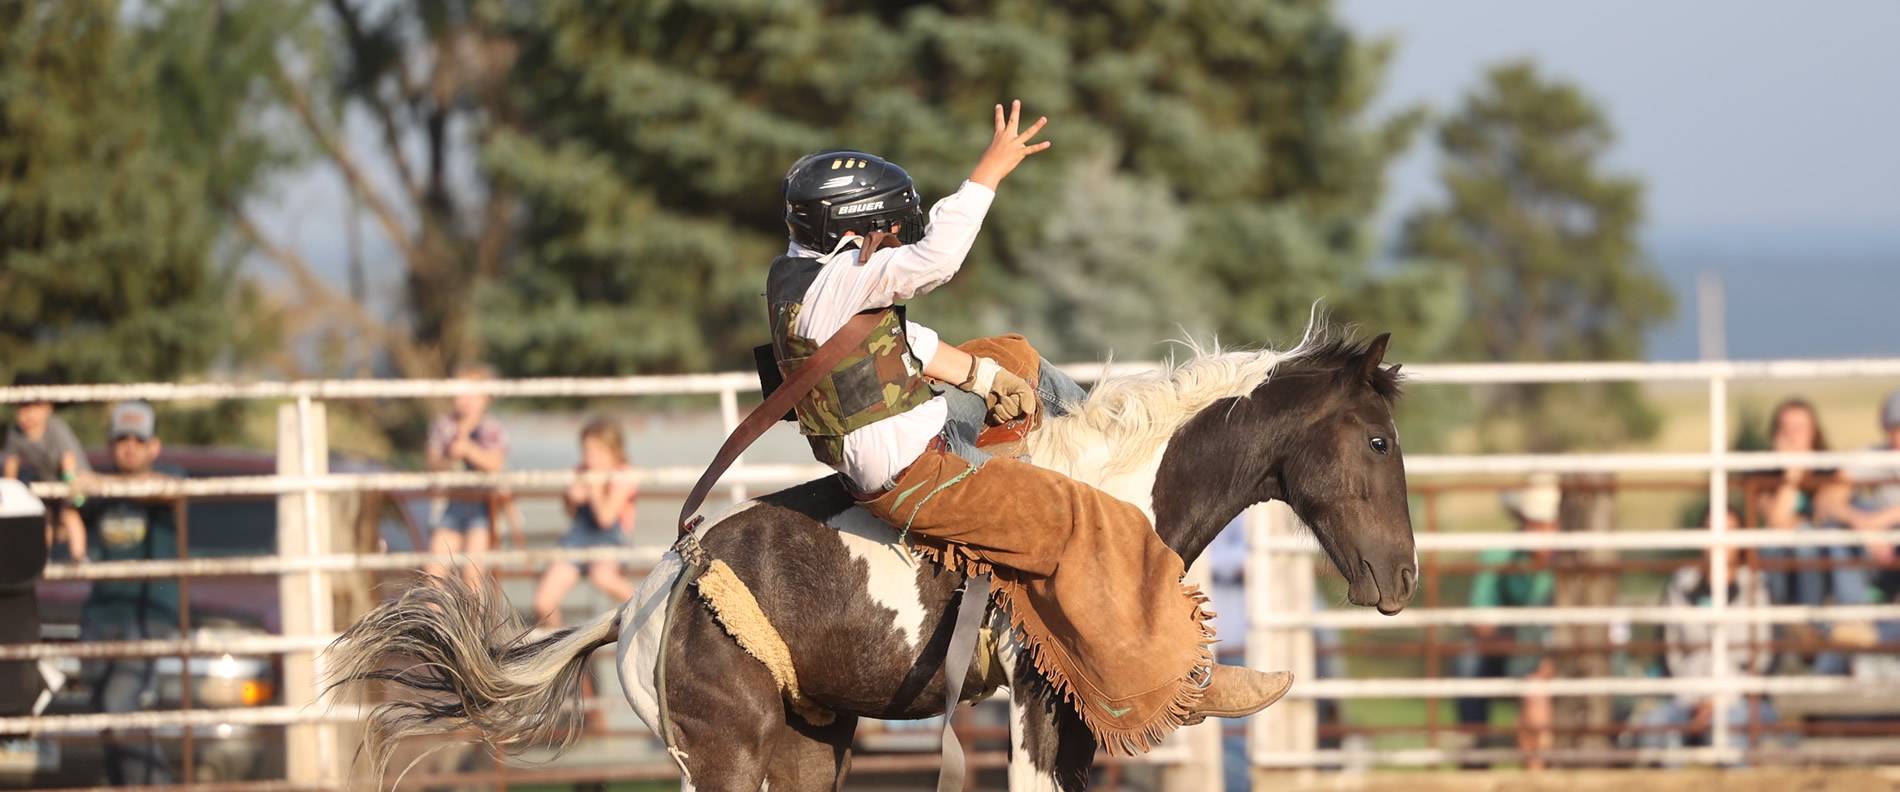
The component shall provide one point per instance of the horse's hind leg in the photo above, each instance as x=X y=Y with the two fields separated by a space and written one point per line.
x=807 y=758
x=724 y=706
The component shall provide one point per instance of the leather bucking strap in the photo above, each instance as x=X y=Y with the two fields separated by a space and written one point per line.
x=762 y=417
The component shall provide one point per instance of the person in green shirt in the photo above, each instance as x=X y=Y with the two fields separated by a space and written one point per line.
x=123 y=529
x=1514 y=579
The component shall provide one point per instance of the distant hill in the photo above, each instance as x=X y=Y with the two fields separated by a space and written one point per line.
x=1791 y=292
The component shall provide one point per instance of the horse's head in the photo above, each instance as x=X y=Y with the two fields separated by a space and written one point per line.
x=1335 y=458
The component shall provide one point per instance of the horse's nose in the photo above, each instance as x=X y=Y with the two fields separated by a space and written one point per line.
x=1393 y=597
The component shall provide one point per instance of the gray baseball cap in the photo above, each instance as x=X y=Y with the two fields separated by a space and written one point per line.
x=1890 y=411
x=133 y=419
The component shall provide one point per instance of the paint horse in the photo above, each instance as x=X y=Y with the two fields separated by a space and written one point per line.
x=864 y=625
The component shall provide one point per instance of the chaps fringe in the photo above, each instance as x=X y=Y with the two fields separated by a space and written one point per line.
x=1055 y=666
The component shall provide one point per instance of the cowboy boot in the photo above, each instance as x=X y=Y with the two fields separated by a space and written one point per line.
x=1238 y=691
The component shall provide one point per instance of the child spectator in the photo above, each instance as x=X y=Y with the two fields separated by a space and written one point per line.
x=41 y=447
x=1685 y=719
x=467 y=438
x=601 y=514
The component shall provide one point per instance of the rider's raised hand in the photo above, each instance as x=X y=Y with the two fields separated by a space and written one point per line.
x=1008 y=147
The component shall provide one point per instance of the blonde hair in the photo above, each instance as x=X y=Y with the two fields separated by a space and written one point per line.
x=606 y=431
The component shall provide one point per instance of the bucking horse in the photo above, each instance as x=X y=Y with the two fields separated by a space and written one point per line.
x=848 y=622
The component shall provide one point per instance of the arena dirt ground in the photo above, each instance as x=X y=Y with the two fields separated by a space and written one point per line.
x=1700 y=779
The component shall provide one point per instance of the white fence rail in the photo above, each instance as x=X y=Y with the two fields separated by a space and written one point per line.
x=1279 y=623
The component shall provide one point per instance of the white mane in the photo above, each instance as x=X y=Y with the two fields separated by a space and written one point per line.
x=1127 y=419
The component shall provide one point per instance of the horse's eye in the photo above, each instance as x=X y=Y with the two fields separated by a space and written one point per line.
x=1380 y=445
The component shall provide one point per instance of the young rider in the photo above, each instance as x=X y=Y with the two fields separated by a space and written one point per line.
x=1090 y=587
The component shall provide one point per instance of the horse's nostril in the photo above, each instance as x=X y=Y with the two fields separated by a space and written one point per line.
x=1408 y=580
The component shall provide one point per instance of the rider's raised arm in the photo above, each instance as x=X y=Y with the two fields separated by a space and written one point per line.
x=915 y=269
x=898 y=274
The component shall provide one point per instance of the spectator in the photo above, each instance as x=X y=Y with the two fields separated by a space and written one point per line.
x=600 y=515
x=41 y=447
x=467 y=438
x=130 y=610
x=1685 y=719
x=1875 y=508
x=1876 y=503
x=1535 y=509
x=1799 y=499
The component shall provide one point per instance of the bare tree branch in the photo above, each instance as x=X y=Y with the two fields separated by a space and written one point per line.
x=401 y=349
x=346 y=162
x=392 y=136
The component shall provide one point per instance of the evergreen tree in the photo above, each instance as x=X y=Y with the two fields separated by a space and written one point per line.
x=1543 y=244
x=1214 y=169
x=106 y=265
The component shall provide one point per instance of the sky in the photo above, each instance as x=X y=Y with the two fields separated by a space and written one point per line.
x=1737 y=113
x=1767 y=134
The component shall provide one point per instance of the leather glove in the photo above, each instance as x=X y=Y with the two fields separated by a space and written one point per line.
x=1006 y=395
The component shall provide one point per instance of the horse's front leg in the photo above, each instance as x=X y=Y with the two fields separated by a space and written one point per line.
x=1050 y=750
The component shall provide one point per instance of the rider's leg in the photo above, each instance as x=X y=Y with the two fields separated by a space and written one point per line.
x=1089 y=583
x=1014 y=353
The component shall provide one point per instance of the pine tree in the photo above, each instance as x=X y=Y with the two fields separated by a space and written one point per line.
x=1544 y=246
x=1214 y=169
x=106 y=257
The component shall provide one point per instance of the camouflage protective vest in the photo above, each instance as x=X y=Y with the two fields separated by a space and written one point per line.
x=881 y=379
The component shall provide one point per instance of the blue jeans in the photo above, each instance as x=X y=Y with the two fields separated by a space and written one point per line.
x=968 y=411
x=122 y=685
x=584 y=532
x=1811 y=587
x=463 y=516
x=1672 y=712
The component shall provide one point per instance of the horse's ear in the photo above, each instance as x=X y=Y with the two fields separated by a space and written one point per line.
x=1375 y=354
x=1394 y=370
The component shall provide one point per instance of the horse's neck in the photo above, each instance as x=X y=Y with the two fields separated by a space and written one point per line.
x=1120 y=466
x=1129 y=479
x=1195 y=508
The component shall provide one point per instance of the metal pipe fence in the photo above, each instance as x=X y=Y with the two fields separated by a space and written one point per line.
x=308 y=561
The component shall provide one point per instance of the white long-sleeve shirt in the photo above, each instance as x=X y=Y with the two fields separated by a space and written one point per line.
x=875 y=454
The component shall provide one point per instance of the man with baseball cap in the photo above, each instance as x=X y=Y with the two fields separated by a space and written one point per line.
x=1877 y=500
x=126 y=529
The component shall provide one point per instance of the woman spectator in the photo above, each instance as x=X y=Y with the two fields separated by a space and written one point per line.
x=601 y=515
x=1797 y=498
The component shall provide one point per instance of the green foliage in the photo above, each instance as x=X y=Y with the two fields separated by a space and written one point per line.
x=107 y=272
x=122 y=141
x=1544 y=247
x=1214 y=170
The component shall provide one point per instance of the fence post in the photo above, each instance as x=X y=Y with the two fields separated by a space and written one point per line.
x=1200 y=769
x=1588 y=505
x=729 y=417
x=1280 y=582
x=1718 y=564
x=303 y=529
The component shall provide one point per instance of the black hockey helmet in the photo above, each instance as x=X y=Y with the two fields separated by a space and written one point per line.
x=832 y=192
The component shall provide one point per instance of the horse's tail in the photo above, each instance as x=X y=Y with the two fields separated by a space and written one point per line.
x=476 y=666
